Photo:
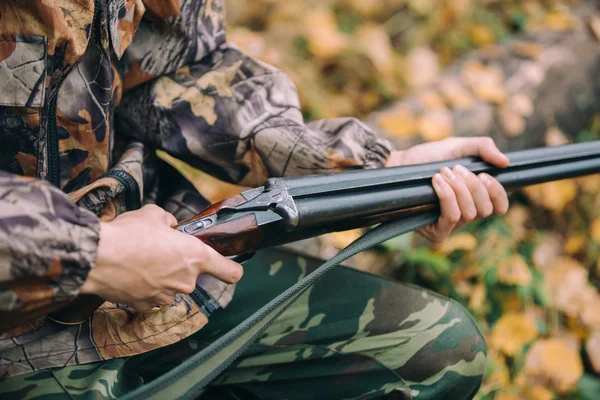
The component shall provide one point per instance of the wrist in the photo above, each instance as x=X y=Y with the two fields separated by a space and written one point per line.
x=396 y=158
x=103 y=255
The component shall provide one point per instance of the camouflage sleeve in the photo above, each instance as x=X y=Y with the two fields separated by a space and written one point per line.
x=199 y=98
x=47 y=244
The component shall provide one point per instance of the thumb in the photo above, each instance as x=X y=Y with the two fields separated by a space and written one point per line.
x=483 y=147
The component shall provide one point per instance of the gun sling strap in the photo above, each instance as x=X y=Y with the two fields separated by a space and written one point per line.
x=188 y=379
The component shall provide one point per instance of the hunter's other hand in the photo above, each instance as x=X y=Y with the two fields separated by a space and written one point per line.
x=464 y=196
x=143 y=262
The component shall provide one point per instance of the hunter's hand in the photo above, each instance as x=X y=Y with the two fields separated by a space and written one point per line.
x=464 y=196
x=143 y=262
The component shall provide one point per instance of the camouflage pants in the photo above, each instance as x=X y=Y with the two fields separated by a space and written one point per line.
x=353 y=336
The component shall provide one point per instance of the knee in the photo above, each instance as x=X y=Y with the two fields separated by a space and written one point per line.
x=464 y=377
x=451 y=358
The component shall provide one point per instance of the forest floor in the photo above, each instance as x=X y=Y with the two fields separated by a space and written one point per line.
x=530 y=278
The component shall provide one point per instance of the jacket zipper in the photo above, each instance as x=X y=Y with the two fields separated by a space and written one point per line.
x=52 y=138
x=132 y=189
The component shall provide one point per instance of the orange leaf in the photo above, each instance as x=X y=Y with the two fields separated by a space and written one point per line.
x=460 y=241
x=399 y=123
x=511 y=332
x=456 y=94
x=554 y=363
x=514 y=271
x=435 y=125
x=575 y=243
x=553 y=196
x=422 y=67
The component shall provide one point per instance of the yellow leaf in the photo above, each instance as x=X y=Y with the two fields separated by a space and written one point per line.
x=482 y=35
x=324 y=39
x=366 y=8
x=422 y=67
x=555 y=137
x=399 y=123
x=369 y=99
x=527 y=49
x=566 y=282
x=554 y=363
x=456 y=94
x=435 y=125
x=595 y=230
x=431 y=100
x=539 y=392
x=560 y=20
x=514 y=271
x=422 y=7
x=477 y=298
x=460 y=241
x=494 y=94
x=511 y=332
x=374 y=41
x=511 y=122
x=343 y=239
x=553 y=196
x=512 y=395
x=575 y=243
x=486 y=82
x=510 y=301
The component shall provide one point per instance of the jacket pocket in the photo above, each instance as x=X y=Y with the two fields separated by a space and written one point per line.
x=22 y=71
x=117 y=191
x=22 y=96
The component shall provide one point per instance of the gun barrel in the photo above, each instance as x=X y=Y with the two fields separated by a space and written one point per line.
x=307 y=186
x=357 y=202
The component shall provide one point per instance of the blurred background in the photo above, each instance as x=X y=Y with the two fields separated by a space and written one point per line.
x=525 y=73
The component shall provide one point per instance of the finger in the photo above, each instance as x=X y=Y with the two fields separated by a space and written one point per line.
x=479 y=192
x=159 y=215
x=483 y=147
x=497 y=194
x=164 y=299
x=209 y=261
x=170 y=219
x=468 y=212
x=450 y=211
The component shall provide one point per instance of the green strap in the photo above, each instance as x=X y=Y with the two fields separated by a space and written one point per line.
x=191 y=376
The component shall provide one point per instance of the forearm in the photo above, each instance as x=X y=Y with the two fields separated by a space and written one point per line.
x=47 y=244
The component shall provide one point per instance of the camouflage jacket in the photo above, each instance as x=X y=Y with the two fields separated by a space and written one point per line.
x=89 y=89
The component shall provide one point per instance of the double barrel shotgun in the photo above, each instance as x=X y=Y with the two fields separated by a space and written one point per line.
x=285 y=210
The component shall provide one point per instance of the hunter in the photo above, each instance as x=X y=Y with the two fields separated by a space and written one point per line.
x=89 y=90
